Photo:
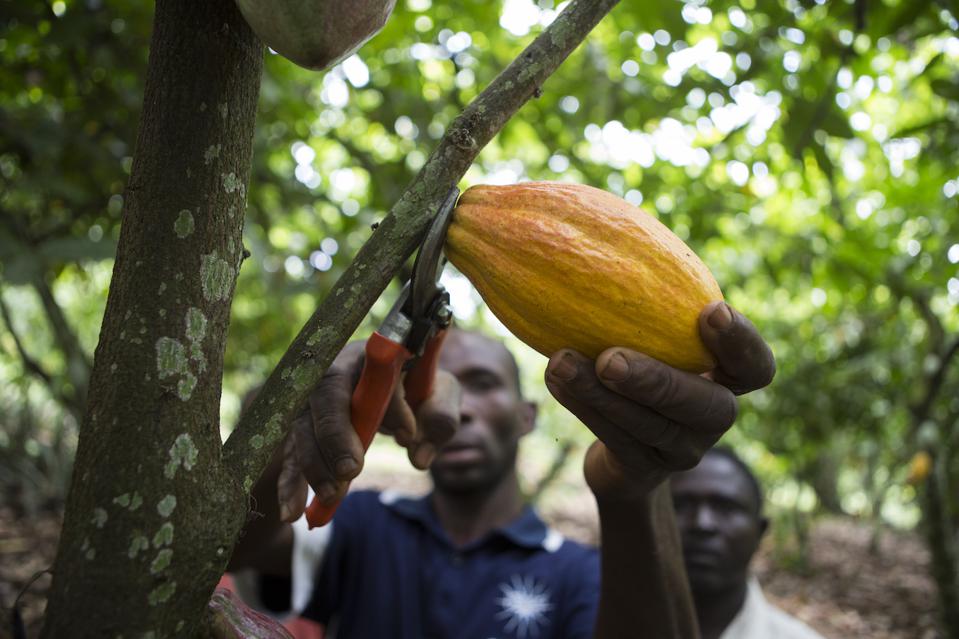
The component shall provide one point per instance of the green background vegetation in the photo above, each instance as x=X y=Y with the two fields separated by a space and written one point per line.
x=806 y=150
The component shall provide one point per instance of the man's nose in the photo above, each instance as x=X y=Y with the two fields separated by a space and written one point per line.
x=467 y=409
x=704 y=518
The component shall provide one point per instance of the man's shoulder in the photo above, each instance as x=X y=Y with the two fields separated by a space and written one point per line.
x=777 y=622
x=573 y=549
x=571 y=562
x=529 y=530
x=759 y=619
x=364 y=498
x=363 y=506
x=788 y=627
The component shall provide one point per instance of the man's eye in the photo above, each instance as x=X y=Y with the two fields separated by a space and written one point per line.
x=729 y=507
x=482 y=383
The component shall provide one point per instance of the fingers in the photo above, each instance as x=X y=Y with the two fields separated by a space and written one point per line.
x=325 y=449
x=399 y=420
x=746 y=362
x=648 y=414
x=291 y=485
x=682 y=397
x=628 y=429
x=437 y=419
x=328 y=449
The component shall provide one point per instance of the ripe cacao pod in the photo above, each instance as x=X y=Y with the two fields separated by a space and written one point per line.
x=919 y=467
x=315 y=34
x=572 y=266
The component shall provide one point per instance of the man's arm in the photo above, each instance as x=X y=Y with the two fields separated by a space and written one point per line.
x=643 y=581
x=651 y=421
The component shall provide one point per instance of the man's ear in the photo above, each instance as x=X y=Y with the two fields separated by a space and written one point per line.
x=528 y=412
x=763 y=526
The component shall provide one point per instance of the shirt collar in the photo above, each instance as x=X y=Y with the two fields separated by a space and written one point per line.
x=526 y=531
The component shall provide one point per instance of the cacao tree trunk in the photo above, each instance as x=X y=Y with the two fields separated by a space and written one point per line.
x=151 y=515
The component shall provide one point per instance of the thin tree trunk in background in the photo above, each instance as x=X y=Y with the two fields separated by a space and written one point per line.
x=552 y=473
x=823 y=475
x=151 y=515
x=940 y=536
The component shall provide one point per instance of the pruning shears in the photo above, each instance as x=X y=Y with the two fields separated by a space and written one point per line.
x=408 y=340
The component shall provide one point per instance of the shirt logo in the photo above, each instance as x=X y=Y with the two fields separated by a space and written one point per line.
x=523 y=606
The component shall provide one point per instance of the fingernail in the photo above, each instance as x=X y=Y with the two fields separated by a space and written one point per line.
x=284 y=512
x=721 y=317
x=424 y=455
x=345 y=467
x=617 y=368
x=565 y=368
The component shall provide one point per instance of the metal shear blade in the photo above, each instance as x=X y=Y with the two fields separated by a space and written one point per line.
x=428 y=304
x=430 y=260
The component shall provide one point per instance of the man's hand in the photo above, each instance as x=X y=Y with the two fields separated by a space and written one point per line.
x=323 y=449
x=651 y=419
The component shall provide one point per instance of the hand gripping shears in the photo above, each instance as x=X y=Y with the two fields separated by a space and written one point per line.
x=408 y=340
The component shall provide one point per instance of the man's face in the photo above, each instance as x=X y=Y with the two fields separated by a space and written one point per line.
x=719 y=521
x=493 y=416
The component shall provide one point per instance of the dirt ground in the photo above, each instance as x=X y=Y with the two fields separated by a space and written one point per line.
x=844 y=592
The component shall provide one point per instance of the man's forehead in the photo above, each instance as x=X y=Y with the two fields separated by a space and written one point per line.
x=465 y=349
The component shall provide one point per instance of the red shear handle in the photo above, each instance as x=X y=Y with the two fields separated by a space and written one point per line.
x=419 y=382
x=371 y=397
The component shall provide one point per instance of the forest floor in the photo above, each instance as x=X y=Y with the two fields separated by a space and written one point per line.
x=843 y=590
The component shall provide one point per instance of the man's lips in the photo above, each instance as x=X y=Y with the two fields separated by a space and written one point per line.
x=460 y=454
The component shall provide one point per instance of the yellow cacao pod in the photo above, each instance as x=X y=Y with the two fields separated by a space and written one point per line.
x=315 y=34
x=572 y=266
x=919 y=467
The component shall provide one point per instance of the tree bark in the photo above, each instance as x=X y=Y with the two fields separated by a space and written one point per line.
x=151 y=515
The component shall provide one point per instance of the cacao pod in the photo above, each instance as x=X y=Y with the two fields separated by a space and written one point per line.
x=572 y=266
x=919 y=467
x=229 y=618
x=315 y=34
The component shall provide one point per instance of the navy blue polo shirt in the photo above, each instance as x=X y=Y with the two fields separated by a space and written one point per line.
x=390 y=571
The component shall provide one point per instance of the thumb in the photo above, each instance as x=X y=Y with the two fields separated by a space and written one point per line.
x=291 y=484
x=745 y=361
x=437 y=419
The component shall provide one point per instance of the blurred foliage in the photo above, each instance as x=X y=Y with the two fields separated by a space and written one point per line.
x=806 y=150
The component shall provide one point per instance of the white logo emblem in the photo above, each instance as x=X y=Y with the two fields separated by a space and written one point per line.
x=524 y=605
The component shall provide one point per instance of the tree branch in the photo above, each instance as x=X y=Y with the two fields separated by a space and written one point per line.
x=937 y=334
x=248 y=450
x=552 y=473
x=921 y=410
x=30 y=364
x=33 y=367
x=64 y=334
